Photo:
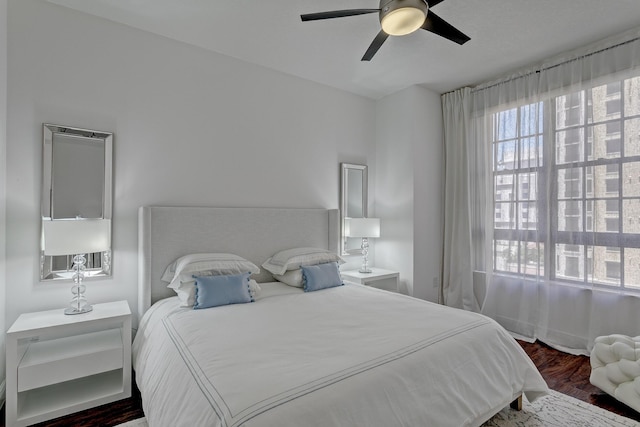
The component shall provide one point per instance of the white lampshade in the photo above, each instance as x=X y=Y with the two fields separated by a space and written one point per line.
x=362 y=227
x=76 y=236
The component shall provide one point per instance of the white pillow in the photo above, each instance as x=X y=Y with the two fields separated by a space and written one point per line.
x=187 y=291
x=291 y=278
x=198 y=264
x=291 y=259
x=180 y=273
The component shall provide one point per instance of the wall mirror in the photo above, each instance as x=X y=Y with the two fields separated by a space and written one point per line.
x=353 y=202
x=76 y=171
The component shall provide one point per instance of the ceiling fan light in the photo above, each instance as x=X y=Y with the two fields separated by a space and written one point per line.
x=403 y=21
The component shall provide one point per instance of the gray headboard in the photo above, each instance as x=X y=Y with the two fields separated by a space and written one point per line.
x=166 y=233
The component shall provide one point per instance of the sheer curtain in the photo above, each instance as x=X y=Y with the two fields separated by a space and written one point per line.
x=542 y=188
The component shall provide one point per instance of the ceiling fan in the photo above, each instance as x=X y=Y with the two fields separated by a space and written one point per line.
x=399 y=18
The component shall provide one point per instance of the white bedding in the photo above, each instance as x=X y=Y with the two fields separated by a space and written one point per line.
x=345 y=356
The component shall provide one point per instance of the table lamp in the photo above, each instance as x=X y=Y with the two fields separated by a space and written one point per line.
x=365 y=228
x=76 y=237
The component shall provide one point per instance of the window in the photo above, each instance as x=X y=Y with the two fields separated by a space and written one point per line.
x=572 y=267
x=517 y=148
x=575 y=160
x=611 y=206
x=612 y=270
x=612 y=224
x=612 y=185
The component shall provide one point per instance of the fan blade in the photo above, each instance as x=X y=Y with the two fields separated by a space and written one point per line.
x=375 y=45
x=336 y=14
x=432 y=3
x=439 y=26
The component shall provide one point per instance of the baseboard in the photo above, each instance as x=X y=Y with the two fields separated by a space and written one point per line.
x=2 y=393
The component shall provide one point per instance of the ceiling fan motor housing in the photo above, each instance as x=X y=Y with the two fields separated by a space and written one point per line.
x=400 y=17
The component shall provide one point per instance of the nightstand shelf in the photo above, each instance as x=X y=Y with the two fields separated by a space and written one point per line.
x=72 y=396
x=378 y=278
x=59 y=364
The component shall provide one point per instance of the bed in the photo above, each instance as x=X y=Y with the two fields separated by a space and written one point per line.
x=344 y=356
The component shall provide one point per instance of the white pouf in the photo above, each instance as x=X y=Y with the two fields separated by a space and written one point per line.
x=615 y=368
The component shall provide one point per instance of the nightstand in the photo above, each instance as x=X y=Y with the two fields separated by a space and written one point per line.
x=378 y=278
x=58 y=364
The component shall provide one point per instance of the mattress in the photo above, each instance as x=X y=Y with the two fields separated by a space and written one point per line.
x=345 y=356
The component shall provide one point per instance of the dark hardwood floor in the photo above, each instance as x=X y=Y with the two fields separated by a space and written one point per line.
x=569 y=374
x=563 y=372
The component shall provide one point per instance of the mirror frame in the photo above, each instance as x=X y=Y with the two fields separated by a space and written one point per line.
x=47 y=271
x=344 y=197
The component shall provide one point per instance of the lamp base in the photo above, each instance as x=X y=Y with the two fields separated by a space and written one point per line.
x=365 y=271
x=72 y=310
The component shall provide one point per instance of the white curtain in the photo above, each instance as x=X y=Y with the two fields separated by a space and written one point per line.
x=458 y=270
x=542 y=197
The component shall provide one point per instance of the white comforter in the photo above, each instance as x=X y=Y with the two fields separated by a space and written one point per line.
x=346 y=356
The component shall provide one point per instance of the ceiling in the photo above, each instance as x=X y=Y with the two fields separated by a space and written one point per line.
x=505 y=35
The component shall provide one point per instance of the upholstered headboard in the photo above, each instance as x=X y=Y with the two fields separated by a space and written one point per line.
x=166 y=233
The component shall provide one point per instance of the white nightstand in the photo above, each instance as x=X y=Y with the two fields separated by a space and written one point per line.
x=378 y=278
x=59 y=364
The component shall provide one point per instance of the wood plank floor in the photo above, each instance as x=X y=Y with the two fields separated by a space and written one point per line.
x=569 y=374
x=563 y=372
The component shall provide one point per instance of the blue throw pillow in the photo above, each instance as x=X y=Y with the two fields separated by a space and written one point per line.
x=321 y=276
x=214 y=291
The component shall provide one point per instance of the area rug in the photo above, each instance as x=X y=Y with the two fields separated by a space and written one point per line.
x=558 y=410
x=553 y=410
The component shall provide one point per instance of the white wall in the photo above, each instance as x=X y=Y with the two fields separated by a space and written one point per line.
x=428 y=193
x=191 y=127
x=408 y=195
x=3 y=167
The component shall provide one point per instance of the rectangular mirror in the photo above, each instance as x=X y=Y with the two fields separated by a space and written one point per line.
x=353 y=202
x=76 y=185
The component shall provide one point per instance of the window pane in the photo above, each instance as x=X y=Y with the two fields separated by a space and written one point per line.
x=506 y=124
x=632 y=136
x=527 y=216
x=569 y=216
x=531 y=119
x=605 y=180
x=570 y=183
x=604 y=141
x=604 y=265
x=518 y=257
x=506 y=255
x=505 y=156
x=570 y=263
x=531 y=152
x=528 y=186
x=632 y=96
x=607 y=216
x=569 y=110
x=505 y=216
x=569 y=146
x=503 y=187
x=632 y=268
x=631 y=215
x=605 y=103
x=631 y=179
x=532 y=258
